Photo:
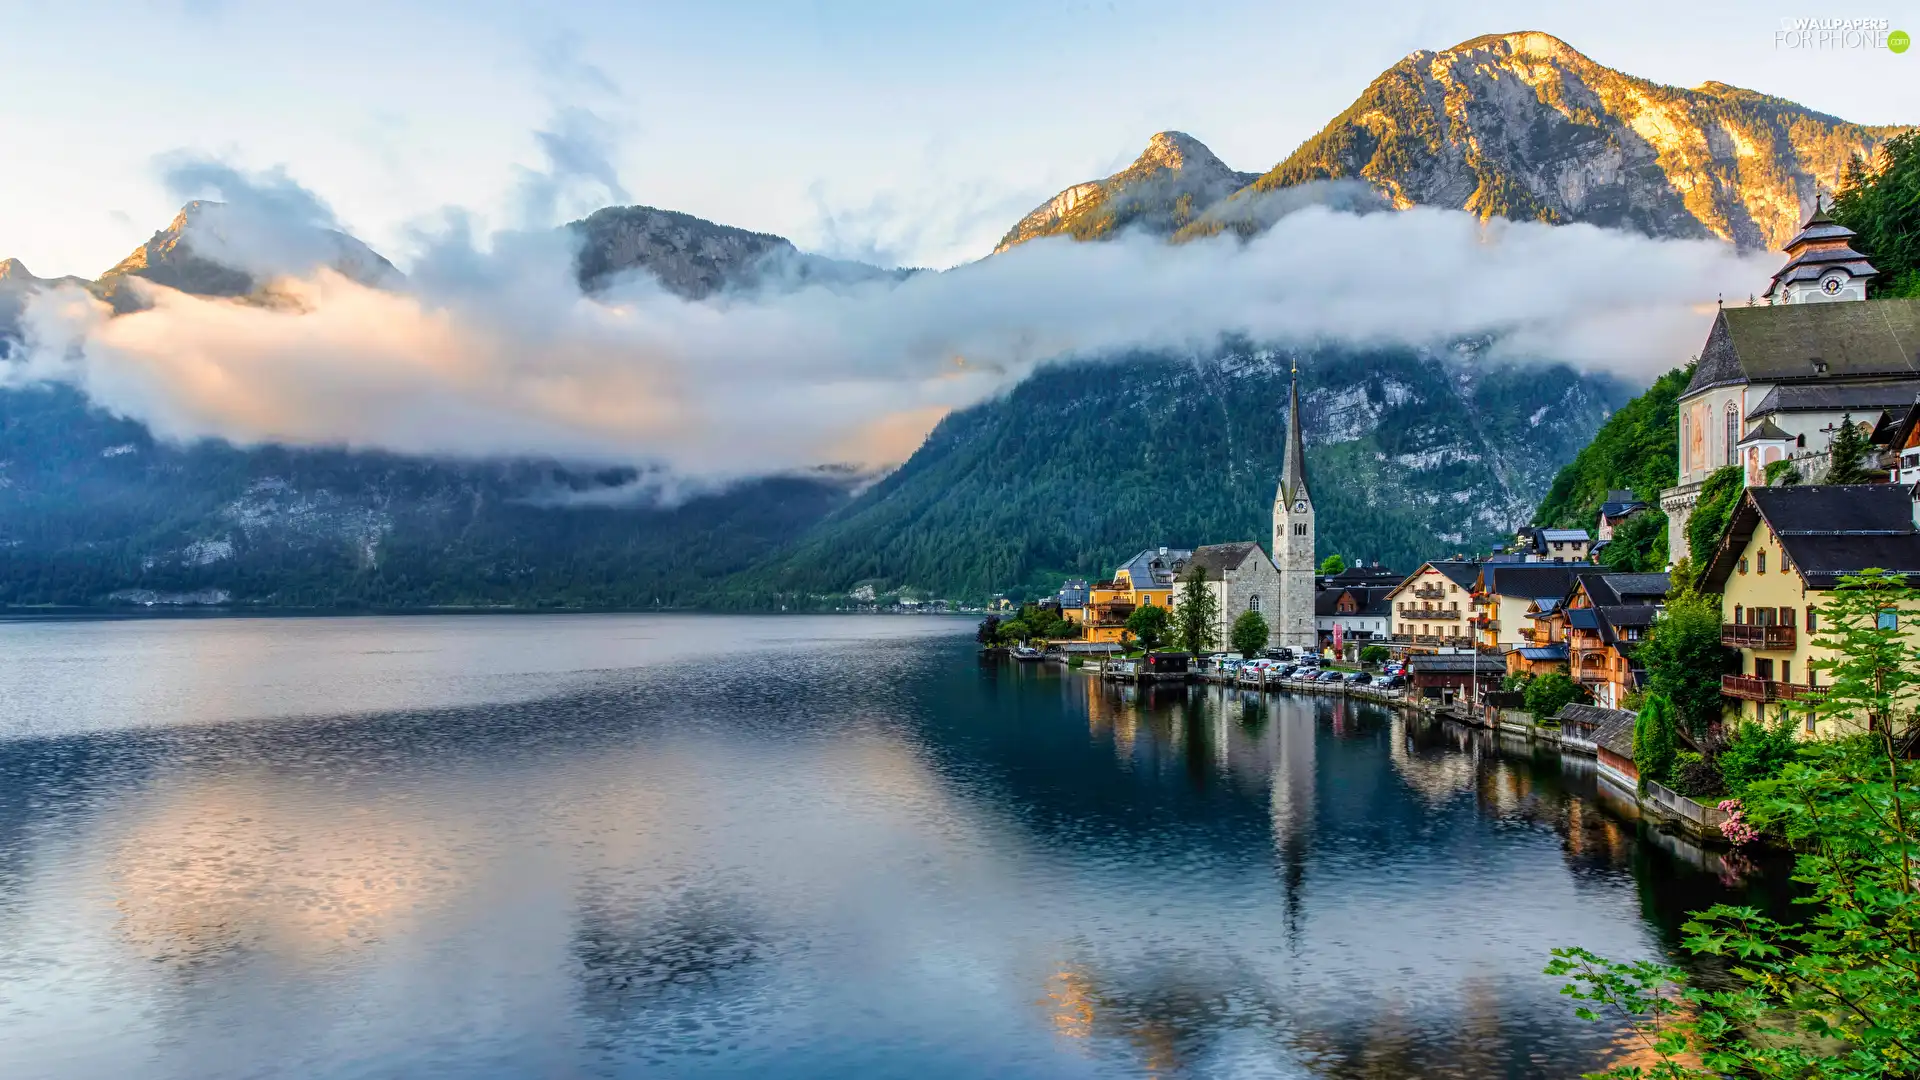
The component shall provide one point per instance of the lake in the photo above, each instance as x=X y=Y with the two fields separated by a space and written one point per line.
x=794 y=846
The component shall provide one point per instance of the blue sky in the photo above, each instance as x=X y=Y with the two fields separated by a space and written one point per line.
x=899 y=131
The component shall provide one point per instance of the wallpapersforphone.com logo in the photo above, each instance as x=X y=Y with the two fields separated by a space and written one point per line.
x=1840 y=35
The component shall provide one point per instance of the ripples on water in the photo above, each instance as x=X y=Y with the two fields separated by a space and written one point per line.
x=791 y=847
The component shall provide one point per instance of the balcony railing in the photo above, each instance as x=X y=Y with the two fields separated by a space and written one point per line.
x=1428 y=613
x=1754 y=688
x=1431 y=639
x=1429 y=592
x=1752 y=636
x=1485 y=623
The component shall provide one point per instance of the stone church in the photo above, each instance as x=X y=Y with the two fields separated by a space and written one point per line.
x=1242 y=577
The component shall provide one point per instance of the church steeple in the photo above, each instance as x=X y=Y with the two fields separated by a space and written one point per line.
x=1293 y=480
x=1293 y=534
x=1821 y=265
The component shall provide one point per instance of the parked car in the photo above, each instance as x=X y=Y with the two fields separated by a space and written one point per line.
x=1393 y=682
x=1359 y=678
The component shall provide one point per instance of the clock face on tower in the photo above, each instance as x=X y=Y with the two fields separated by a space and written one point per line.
x=1300 y=507
x=1830 y=286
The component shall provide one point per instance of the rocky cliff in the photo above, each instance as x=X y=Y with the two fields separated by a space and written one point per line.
x=1167 y=187
x=1524 y=126
x=695 y=257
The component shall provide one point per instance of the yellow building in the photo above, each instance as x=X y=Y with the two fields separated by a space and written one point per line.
x=1144 y=580
x=1785 y=549
x=1431 y=608
x=1505 y=592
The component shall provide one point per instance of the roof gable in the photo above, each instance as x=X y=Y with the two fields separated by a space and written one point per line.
x=1778 y=343
x=1217 y=559
x=1826 y=530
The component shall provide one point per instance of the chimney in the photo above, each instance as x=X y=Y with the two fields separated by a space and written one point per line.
x=1163 y=551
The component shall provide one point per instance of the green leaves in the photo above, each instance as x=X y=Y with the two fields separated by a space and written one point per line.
x=1198 y=616
x=1684 y=657
x=1249 y=634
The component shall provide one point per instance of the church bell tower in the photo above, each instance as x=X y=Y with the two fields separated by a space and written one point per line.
x=1293 y=537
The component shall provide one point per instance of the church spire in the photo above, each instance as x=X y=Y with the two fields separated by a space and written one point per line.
x=1293 y=483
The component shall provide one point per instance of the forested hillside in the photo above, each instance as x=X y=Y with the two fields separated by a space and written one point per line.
x=93 y=509
x=1410 y=456
x=1637 y=449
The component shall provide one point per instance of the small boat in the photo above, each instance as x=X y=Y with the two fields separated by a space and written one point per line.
x=1026 y=652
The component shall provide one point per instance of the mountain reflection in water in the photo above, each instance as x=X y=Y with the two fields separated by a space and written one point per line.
x=706 y=846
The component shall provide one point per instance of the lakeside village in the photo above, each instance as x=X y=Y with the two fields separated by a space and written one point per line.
x=1798 y=469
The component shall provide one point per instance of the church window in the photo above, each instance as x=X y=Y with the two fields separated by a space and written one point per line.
x=1299 y=530
x=1733 y=432
x=1253 y=602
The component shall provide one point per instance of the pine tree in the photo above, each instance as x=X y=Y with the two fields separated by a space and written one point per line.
x=1199 y=611
x=1655 y=740
x=1848 y=453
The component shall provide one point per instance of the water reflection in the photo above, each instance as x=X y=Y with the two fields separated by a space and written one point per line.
x=862 y=856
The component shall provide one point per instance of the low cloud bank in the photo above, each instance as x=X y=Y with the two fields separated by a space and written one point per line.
x=488 y=347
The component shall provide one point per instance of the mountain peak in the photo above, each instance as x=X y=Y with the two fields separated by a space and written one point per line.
x=1524 y=126
x=15 y=270
x=1535 y=44
x=1177 y=150
x=1170 y=184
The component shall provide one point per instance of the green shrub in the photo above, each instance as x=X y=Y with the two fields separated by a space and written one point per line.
x=1756 y=752
x=1548 y=694
x=1654 y=740
x=1696 y=777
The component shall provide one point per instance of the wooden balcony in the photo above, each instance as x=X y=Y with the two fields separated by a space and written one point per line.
x=1429 y=592
x=1754 y=688
x=1431 y=639
x=1429 y=614
x=1752 y=636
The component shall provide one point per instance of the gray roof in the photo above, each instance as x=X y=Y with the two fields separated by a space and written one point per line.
x=1462 y=572
x=1611 y=728
x=1614 y=508
x=1529 y=579
x=1565 y=534
x=1140 y=567
x=1826 y=530
x=1838 y=397
x=1219 y=558
x=1371 y=598
x=1619 y=588
x=1764 y=431
x=1455 y=664
x=1855 y=339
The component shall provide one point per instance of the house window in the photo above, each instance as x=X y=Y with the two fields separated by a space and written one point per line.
x=1733 y=432
x=1743 y=564
x=1786 y=616
x=1760 y=562
x=1253 y=602
x=1810 y=620
x=1739 y=615
x=1763 y=668
x=1888 y=621
x=1786 y=671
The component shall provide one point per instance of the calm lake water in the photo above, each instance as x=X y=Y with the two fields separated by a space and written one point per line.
x=774 y=847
